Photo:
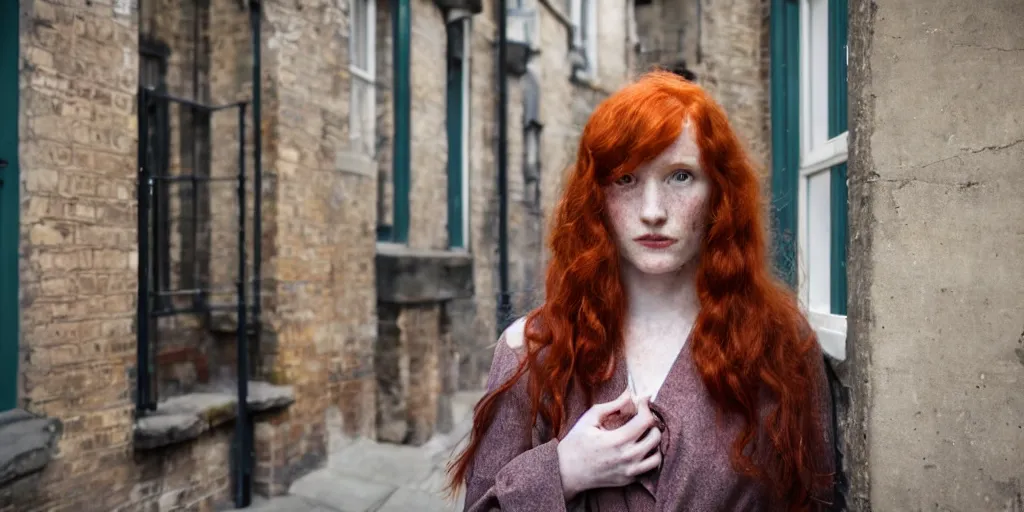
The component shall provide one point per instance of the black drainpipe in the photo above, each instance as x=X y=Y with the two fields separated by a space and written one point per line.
x=243 y=424
x=504 y=306
x=255 y=17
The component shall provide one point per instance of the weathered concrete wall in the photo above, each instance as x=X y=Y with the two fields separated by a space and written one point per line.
x=936 y=271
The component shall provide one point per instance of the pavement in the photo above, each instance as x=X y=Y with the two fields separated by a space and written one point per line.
x=366 y=476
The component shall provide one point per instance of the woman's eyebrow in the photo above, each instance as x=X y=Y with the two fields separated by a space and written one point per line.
x=688 y=162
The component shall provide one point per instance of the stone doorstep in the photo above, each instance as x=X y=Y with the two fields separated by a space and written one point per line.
x=186 y=417
x=27 y=442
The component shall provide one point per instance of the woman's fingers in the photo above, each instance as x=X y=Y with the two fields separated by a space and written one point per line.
x=648 y=442
x=621 y=404
x=645 y=465
x=640 y=423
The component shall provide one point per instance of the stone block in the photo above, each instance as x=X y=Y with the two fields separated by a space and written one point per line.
x=406 y=276
x=28 y=443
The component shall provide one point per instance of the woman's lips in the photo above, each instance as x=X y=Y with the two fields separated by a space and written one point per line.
x=655 y=241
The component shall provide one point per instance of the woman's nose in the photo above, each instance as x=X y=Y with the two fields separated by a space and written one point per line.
x=652 y=211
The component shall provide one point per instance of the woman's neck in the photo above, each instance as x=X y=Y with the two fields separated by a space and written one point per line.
x=662 y=298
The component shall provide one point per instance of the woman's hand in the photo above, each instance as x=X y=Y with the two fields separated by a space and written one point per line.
x=592 y=456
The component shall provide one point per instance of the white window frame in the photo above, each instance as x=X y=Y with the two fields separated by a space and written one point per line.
x=814 y=240
x=363 y=115
x=585 y=12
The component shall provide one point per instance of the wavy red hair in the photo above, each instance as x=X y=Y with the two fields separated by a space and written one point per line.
x=749 y=340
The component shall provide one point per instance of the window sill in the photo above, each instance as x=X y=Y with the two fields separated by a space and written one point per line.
x=831 y=331
x=29 y=442
x=411 y=276
x=186 y=417
x=351 y=162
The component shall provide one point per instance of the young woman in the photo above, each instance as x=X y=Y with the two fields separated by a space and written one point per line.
x=667 y=369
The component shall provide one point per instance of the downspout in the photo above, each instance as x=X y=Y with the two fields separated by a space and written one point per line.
x=243 y=467
x=504 y=305
x=256 y=14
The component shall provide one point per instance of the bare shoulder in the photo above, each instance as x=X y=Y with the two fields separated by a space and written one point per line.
x=514 y=334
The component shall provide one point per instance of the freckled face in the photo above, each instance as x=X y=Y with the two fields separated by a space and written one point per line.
x=658 y=212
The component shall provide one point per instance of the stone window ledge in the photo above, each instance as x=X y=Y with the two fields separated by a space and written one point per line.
x=186 y=417
x=350 y=162
x=27 y=443
x=473 y=6
x=414 y=276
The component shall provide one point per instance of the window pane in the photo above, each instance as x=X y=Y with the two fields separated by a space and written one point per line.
x=361 y=117
x=360 y=45
x=585 y=20
x=819 y=227
x=818 y=60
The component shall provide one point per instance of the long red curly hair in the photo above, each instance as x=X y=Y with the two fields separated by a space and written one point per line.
x=749 y=340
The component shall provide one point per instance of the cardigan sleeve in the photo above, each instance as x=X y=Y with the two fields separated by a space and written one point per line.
x=511 y=471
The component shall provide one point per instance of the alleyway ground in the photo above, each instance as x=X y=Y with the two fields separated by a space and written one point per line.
x=364 y=476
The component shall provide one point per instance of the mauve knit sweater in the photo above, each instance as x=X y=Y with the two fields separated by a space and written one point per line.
x=516 y=467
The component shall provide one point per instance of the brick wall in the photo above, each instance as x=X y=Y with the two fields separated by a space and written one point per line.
x=564 y=108
x=78 y=266
x=726 y=44
x=320 y=316
x=320 y=313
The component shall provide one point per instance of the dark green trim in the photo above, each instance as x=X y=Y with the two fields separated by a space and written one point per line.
x=839 y=240
x=455 y=103
x=402 y=29
x=9 y=205
x=837 y=115
x=785 y=105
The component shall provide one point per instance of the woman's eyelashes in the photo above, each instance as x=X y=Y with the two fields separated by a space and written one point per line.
x=682 y=176
x=627 y=179
x=678 y=176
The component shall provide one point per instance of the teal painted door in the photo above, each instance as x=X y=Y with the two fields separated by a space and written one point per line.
x=9 y=185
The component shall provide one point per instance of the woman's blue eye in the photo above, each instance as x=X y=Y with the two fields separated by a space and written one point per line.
x=682 y=176
x=625 y=180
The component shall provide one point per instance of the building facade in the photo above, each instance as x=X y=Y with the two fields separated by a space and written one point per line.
x=305 y=221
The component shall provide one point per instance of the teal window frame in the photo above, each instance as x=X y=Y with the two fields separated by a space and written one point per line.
x=401 y=25
x=793 y=162
x=9 y=206
x=459 y=31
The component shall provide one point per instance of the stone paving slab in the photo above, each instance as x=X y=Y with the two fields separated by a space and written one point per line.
x=380 y=462
x=367 y=476
x=344 y=494
x=286 y=504
x=407 y=500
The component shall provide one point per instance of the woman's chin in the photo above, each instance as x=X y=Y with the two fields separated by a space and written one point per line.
x=657 y=268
